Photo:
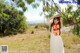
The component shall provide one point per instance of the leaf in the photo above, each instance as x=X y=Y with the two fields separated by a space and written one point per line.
x=35 y=5
x=30 y=1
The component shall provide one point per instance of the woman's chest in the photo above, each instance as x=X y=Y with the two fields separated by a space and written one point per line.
x=56 y=27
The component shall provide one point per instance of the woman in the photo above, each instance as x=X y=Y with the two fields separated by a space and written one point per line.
x=56 y=42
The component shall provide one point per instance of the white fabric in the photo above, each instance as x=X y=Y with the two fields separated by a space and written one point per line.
x=56 y=44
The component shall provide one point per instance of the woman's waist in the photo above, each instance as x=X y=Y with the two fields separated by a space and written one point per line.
x=55 y=34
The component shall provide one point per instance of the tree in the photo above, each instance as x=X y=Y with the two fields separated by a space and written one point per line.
x=22 y=4
x=76 y=29
x=12 y=21
x=69 y=17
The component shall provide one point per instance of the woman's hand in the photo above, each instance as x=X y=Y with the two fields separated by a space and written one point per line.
x=61 y=19
x=50 y=19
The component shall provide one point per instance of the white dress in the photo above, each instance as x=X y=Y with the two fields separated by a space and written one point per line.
x=56 y=44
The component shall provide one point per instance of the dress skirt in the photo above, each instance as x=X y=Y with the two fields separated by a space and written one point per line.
x=56 y=44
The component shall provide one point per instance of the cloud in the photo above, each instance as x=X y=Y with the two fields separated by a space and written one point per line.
x=33 y=17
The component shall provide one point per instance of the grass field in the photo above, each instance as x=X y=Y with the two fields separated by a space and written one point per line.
x=38 y=42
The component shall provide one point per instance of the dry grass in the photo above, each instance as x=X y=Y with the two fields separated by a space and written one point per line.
x=27 y=42
x=38 y=42
x=71 y=42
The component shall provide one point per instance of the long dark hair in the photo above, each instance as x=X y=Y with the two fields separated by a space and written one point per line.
x=58 y=18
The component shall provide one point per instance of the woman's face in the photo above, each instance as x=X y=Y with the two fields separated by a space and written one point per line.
x=56 y=21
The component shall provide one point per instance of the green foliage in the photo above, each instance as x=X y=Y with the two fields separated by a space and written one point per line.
x=42 y=26
x=12 y=21
x=22 y=4
x=69 y=16
x=35 y=5
x=1 y=1
x=76 y=29
x=49 y=8
x=30 y=1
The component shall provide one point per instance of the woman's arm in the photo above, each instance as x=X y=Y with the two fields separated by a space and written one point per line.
x=61 y=30
x=61 y=20
x=50 y=19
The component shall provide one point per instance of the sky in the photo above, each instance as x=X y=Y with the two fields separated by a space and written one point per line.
x=33 y=15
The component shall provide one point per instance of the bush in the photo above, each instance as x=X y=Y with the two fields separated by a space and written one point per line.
x=12 y=21
x=42 y=26
x=76 y=29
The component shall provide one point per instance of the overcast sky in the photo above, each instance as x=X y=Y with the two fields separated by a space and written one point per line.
x=33 y=15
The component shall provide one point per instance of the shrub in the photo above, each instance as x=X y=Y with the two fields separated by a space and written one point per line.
x=42 y=26
x=12 y=21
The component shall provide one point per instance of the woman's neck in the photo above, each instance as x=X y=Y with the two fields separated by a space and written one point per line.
x=56 y=24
